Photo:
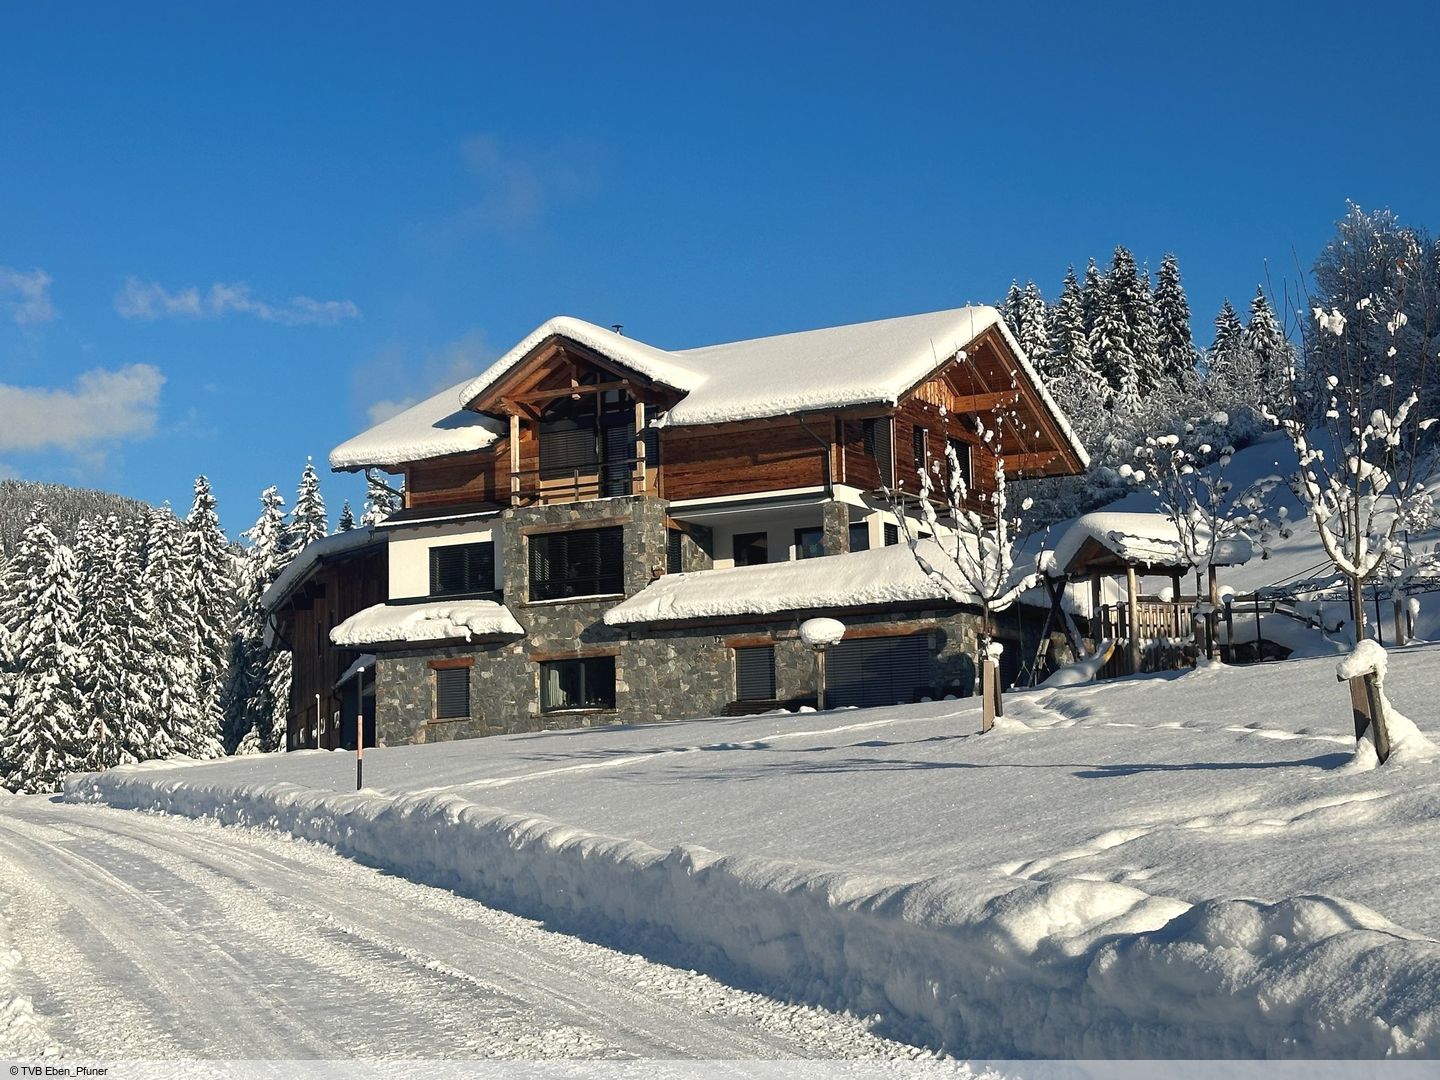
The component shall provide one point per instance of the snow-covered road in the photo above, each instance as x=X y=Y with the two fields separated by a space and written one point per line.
x=146 y=936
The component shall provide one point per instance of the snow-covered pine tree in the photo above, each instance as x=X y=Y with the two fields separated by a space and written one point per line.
x=380 y=500
x=45 y=736
x=1010 y=306
x=1178 y=356
x=255 y=682
x=1071 y=363
x=175 y=636
x=308 y=521
x=1223 y=358
x=106 y=599
x=1090 y=293
x=1272 y=354
x=1032 y=328
x=210 y=569
x=347 y=518
x=1112 y=337
x=1146 y=333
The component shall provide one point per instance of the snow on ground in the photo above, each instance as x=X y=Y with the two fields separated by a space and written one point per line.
x=160 y=938
x=1177 y=865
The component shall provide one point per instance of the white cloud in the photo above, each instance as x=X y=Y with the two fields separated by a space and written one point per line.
x=102 y=407
x=406 y=380
x=150 y=300
x=25 y=297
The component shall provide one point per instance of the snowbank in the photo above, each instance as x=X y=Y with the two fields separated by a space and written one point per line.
x=1061 y=968
x=456 y=620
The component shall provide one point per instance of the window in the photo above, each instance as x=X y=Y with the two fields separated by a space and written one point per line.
x=755 y=673
x=878 y=446
x=860 y=536
x=892 y=534
x=879 y=671
x=452 y=693
x=674 y=551
x=459 y=569
x=569 y=439
x=809 y=543
x=588 y=683
x=751 y=549
x=581 y=562
x=962 y=458
x=920 y=437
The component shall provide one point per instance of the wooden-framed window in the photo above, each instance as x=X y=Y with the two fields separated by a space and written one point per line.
x=452 y=693
x=880 y=445
x=860 y=536
x=751 y=549
x=962 y=459
x=462 y=569
x=809 y=542
x=755 y=673
x=583 y=683
x=577 y=562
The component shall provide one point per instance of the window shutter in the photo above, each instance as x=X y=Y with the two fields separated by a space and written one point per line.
x=459 y=569
x=917 y=437
x=892 y=534
x=885 y=451
x=674 y=552
x=567 y=444
x=755 y=673
x=452 y=693
x=962 y=457
x=878 y=671
x=581 y=562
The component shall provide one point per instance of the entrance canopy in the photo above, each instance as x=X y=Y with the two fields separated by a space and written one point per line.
x=1113 y=543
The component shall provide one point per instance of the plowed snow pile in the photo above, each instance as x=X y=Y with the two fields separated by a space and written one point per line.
x=1169 y=866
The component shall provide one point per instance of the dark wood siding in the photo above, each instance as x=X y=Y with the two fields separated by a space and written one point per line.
x=481 y=477
x=742 y=458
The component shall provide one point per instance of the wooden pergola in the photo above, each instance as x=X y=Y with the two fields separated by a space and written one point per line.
x=1136 y=545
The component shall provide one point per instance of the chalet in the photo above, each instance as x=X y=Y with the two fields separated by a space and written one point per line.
x=596 y=530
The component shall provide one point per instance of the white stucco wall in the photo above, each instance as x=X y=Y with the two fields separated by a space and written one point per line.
x=410 y=553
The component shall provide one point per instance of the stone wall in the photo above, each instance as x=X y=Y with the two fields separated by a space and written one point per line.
x=661 y=674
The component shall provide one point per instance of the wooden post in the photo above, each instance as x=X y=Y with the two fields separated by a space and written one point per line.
x=989 y=695
x=1214 y=611
x=1175 y=598
x=639 y=476
x=1370 y=712
x=1228 y=654
x=514 y=459
x=316 y=740
x=1397 y=602
x=360 y=729
x=1132 y=612
x=820 y=679
x=1097 y=630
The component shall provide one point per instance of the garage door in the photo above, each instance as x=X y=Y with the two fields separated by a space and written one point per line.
x=878 y=671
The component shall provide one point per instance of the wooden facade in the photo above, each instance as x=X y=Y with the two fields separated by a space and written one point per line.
x=751 y=457
x=331 y=594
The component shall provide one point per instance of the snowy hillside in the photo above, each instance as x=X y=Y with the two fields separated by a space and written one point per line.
x=65 y=508
x=1173 y=865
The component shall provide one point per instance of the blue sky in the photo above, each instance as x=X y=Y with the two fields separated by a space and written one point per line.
x=229 y=232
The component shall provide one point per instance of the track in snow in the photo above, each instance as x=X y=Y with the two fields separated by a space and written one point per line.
x=146 y=936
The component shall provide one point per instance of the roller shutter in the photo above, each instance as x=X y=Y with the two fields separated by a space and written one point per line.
x=755 y=673
x=878 y=671
x=452 y=693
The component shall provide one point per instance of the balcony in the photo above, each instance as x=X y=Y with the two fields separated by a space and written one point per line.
x=581 y=482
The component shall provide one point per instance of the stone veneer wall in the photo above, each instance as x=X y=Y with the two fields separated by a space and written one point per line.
x=660 y=674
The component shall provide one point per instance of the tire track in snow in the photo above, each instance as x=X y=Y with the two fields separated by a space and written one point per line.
x=438 y=953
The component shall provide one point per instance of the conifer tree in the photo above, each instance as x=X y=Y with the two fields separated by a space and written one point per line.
x=1070 y=345
x=210 y=570
x=1032 y=329
x=347 y=518
x=308 y=522
x=112 y=699
x=1272 y=352
x=45 y=736
x=1178 y=356
x=1223 y=359
x=380 y=501
x=1112 y=338
x=255 y=681
x=1090 y=293
x=1010 y=306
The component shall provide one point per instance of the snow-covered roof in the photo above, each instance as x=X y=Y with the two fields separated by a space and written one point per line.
x=1136 y=539
x=454 y=620
x=437 y=426
x=311 y=554
x=838 y=366
x=886 y=575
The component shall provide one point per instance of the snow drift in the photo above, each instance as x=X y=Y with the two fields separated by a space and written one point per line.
x=982 y=966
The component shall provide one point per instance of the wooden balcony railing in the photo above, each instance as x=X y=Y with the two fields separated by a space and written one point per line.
x=620 y=476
